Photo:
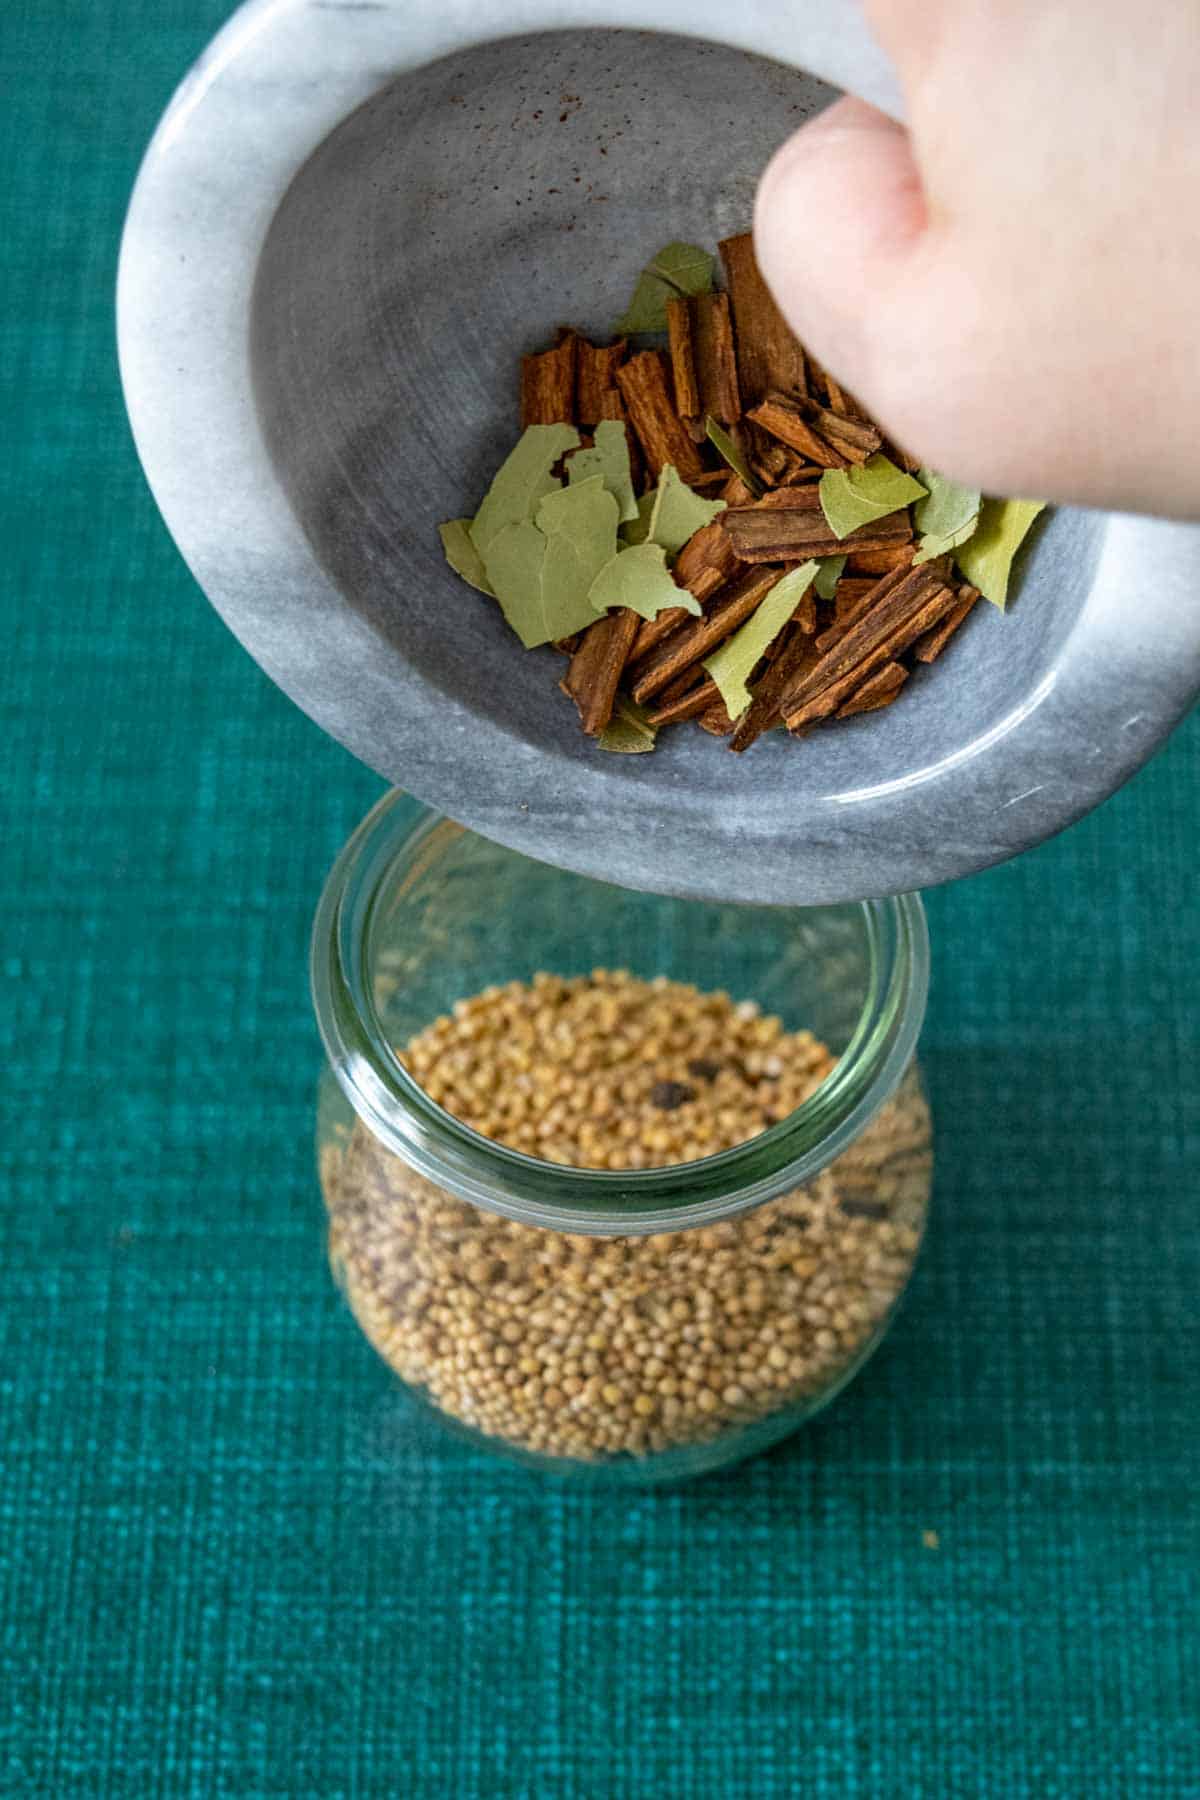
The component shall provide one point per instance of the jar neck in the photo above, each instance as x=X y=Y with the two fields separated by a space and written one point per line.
x=490 y=1175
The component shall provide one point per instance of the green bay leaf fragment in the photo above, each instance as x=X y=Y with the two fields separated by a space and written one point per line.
x=638 y=577
x=462 y=555
x=860 y=495
x=726 y=448
x=678 y=270
x=987 y=558
x=521 y=481
x=542 y=571
x=946 y=517
x=638 y=530
x=608 y=458
x=829 y=573
x=732 y=664
x=678 y=512
x=515 y=561
x=629 y=731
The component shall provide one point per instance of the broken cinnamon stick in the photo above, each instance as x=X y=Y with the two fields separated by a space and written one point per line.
x=595 y=376
x=763 y=713
x=823 y=436
x=856 y=439
x=930 y=647
x=789 y=526
x=872 y=594
x=912 y=609
x=877 y=559
x=784 y=420
x=660 y=430
x=683 y=359
x=877 y=691
x=548 y=384
x=688 y=705
x=595 y=669
x=692 y=641
x=716 y=720
x=715 y=364
x=707 y=561
x=769 y=355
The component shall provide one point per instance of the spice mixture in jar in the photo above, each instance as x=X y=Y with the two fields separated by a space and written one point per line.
x=589 y=1348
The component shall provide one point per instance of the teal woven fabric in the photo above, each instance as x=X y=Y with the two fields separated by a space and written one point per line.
x=235 y=1563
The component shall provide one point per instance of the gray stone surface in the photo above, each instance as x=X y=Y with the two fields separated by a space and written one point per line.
x=350 y=222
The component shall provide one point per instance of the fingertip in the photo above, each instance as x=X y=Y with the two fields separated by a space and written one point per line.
x=839 y=207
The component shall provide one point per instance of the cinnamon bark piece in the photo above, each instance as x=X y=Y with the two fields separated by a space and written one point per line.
x=651 y=632
x=693 y=641
x=877 y=559
x=716 y=720
x=789 y=526
x=683 y=359
x=595 y=375
x=838 y=398
x=713 y=481
x=735 y=492
x=874 y=593
x=781 y=467
x=689 y=705
x=877 y=691
x=683 y=684
x=805 y=615
x=769 y=354
x=706 y=562
x=595 y=669
x=823 y=436
x=715 y=364
x=548 y=384
x=856 y=439
x=882 y=636
x=795 y=658
x=846 y=595
x=784 y=420
x=931 y=646
x=660 y=430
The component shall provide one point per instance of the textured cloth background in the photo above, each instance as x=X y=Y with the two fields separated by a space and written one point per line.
x=234 y=1564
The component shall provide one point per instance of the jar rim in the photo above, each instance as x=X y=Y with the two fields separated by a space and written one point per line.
x=406 y=1121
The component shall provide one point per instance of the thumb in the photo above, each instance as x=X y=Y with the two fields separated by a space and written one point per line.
x=840 y=212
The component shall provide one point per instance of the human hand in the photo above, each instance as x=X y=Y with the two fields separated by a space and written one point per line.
x=1012 y=282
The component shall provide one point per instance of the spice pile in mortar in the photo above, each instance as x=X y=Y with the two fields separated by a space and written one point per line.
x=715 y=530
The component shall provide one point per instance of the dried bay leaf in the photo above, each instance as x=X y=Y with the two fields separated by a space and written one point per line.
x=946 y=517
x=638 y=577
x=860 y=494
x=829 y=573
x=521 y=481
x=580 y=523
x=462 y=555
x=725 y=446
x=542 y=571
x=608 y=458
x=678 y=512
x=515 y=561
x=678 y=270
x=987 y=558
x=732 y=664
x=629 y=731
x=638 y=530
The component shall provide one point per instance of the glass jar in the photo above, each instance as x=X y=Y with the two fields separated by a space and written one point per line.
x=643 y=1316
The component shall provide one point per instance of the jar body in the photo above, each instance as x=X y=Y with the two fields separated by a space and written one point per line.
x=640 y=1323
